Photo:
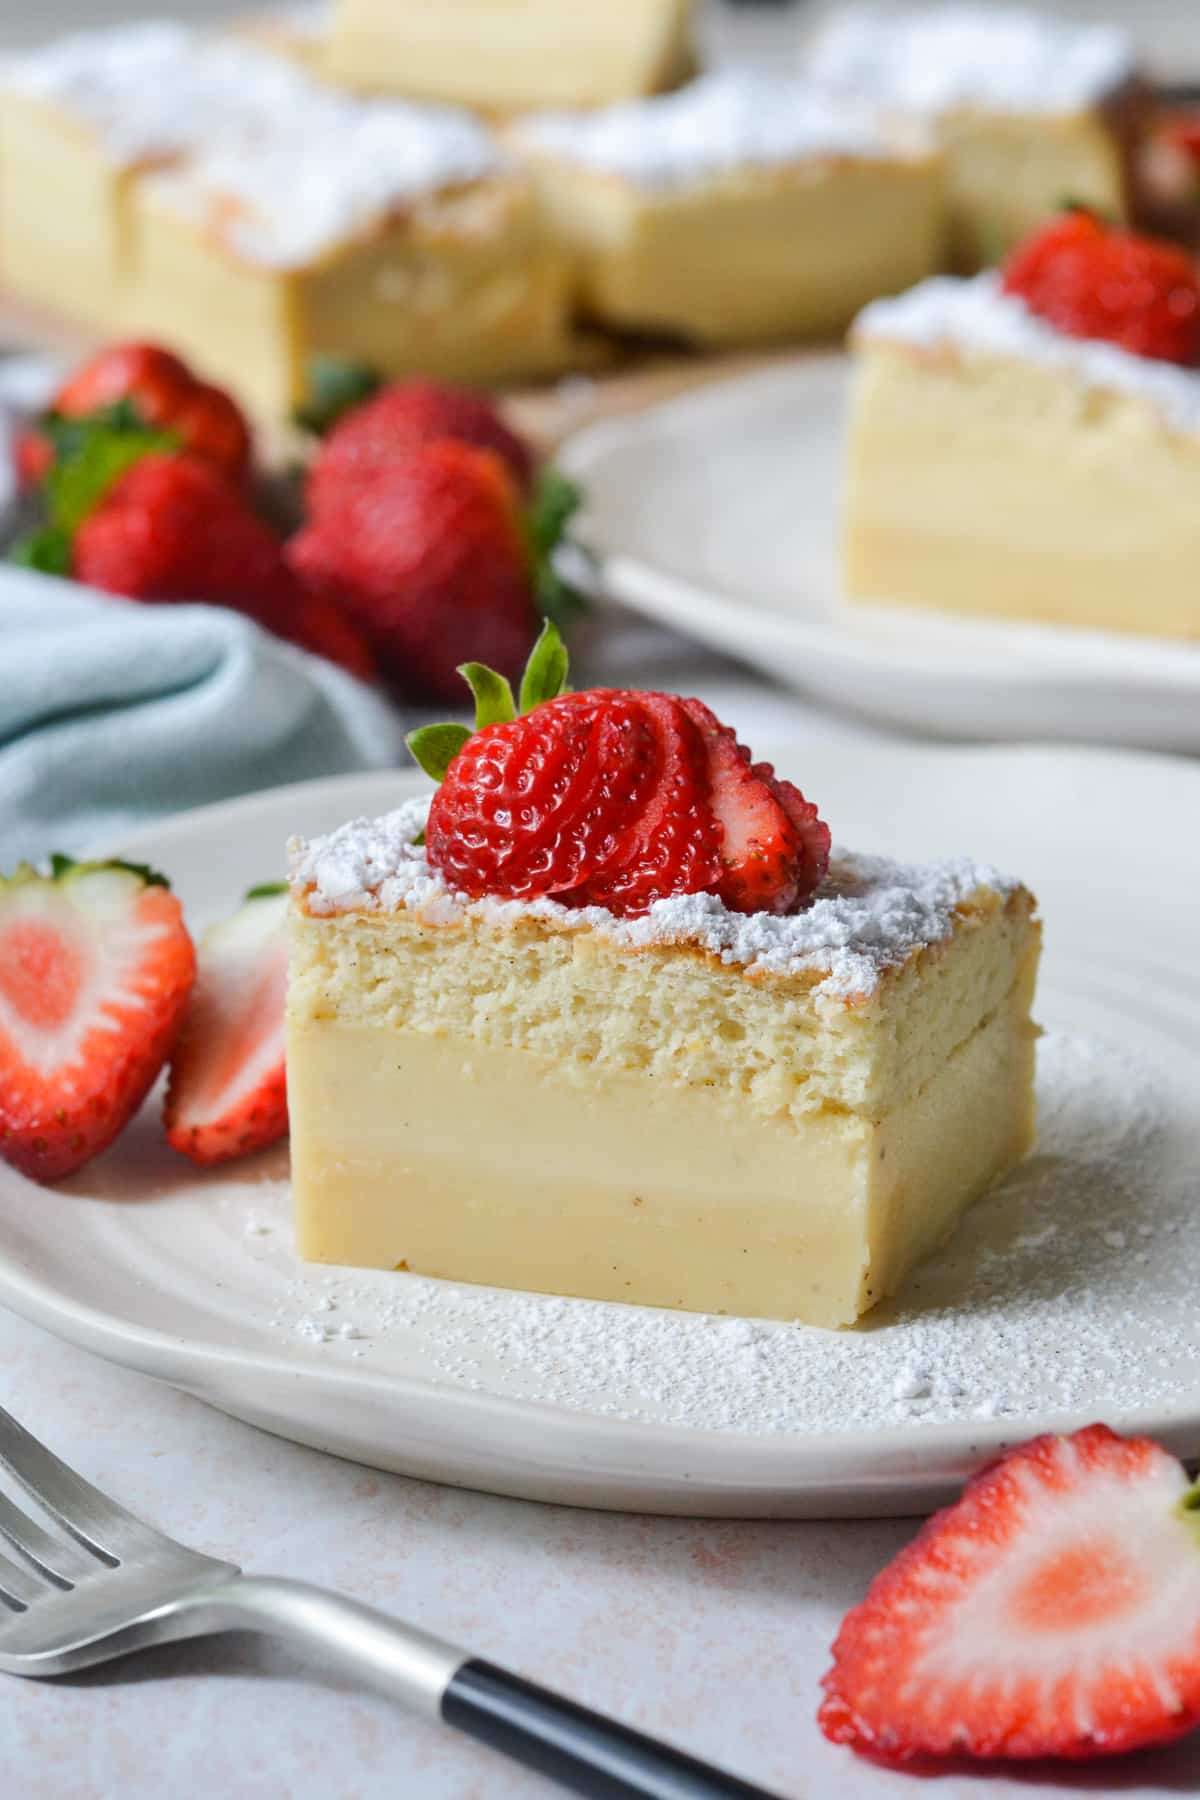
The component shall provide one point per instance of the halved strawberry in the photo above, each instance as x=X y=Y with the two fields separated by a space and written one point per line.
x=770 y=849
x=1053 y=1611
x=95 y=969
x=227 y=1094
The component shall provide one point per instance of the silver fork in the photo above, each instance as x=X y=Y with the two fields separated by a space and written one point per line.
x=110 y=1585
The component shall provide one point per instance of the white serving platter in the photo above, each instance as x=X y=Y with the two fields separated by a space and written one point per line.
x=1069 y=1294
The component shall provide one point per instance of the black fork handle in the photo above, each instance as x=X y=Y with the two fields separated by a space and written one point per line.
x=580 y=1749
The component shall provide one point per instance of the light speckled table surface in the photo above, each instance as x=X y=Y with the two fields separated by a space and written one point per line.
x=714 y=1634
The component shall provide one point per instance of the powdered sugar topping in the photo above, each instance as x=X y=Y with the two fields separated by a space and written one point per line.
x=977 y=315
x=868 y=916
x=723 y=121
x=302 y=179
x=153 y=91
x=931 y=59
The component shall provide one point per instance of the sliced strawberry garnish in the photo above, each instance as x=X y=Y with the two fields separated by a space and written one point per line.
x=774 y=849
x=671 y=844
x=811 y=830
x=1053 y=1611
x=227 y=1093
x=95 y=968
x=610 y=798
x=526 y=807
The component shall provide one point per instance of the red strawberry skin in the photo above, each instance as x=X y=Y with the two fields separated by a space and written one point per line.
x=167 y=396
x=429 y=559
x=1092 y=280
x=1054 y=1610
x=526 y=811
x=172 y=529
x=619 y=799
x=672 y=842
x=95 y=972
x=775 y=850
x=402 y=415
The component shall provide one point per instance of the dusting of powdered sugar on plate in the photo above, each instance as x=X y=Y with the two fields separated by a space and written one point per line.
x=868 y=915
x=929 y=59
x=977 y=316
x=730 y=120
x=1070 y=1289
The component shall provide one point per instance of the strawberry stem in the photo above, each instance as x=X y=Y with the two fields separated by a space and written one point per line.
x=434 y=747
x=266 y=890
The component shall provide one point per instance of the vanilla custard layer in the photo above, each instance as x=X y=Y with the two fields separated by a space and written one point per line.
x=982 y=484
x=753 y=255
x=507 y=1168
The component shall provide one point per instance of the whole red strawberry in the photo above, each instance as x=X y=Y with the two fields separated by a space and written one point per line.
x=171 y=529
x=1054 y=1610
x=1093 y=280
x=430 y=558
x=392 y=421
x=610 y=798
x=162 y=393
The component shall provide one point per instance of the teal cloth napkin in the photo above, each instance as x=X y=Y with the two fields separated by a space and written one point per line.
x=113 y=714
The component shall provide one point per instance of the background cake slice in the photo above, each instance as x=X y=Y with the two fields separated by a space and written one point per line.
x=1000 y=465
x=742 y=208
x=510 y=55
x=391 y=233
x=1031 y=110
x=82 y=119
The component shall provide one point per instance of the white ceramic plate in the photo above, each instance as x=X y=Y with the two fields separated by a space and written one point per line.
x=1040 y=1313
x=717 y=514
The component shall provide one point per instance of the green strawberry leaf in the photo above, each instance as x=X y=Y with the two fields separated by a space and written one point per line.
x=556 y=500
x=335 y=385
x=494 y=703
x=266 y=890
x=48 y=550
x=62 y=866
x=78 y=482
x=434 y=747
x=545 y=676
